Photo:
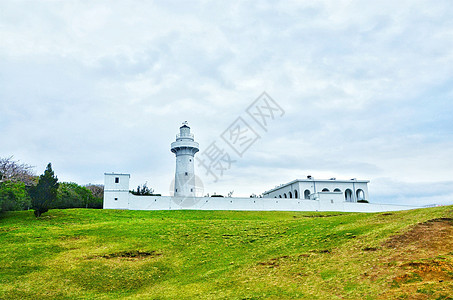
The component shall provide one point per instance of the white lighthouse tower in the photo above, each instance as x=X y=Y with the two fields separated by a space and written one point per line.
x=185 y=149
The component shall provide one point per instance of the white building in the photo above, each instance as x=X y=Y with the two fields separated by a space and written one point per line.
x=116 y=191
x=313 y=189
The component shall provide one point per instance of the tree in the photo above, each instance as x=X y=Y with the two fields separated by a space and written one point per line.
x=15 y=171
x=96 y=189
x=13 y=196
x=72 y=195
x=144 y=190
x=45 y=192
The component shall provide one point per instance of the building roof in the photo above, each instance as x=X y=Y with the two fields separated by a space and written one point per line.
x=117 y=174
x=315 y=180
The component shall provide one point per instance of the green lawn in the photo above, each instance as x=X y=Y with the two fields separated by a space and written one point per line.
x=106 y=254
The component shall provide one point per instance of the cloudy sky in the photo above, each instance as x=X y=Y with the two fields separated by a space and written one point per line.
x=103 y=86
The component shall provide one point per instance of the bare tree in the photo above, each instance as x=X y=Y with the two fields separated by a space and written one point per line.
x=15 y=171
x=97 y=190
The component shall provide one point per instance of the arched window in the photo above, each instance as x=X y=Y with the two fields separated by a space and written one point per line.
x=360 y=194
x=290 y=195
x=284 y=195
x=337 y=190
x=279 y=196
x=348 y=195
x=295 y=194
x=325 y=190
x=275 y=197
x=307 y=194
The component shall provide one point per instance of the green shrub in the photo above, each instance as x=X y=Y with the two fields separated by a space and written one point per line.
x=13 y=196
x=72 y=195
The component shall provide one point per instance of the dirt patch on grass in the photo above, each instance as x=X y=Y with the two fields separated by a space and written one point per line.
x=370 y=249
x=320 y=216
x=283 y=260
x=321 y=251
x=132 y=254
x=422 y=261
x=431 y=237
x=270 y=263
x=273 y=262
x=432 y=270
x=129 y=255
x=428 y=270
x=427 y=279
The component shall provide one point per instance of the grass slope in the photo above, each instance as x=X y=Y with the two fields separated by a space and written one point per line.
x=106 y=254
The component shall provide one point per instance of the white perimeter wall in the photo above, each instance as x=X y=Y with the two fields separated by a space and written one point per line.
x=257 y=204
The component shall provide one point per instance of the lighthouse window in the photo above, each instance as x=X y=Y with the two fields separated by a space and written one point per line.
x=116 y=199
x=191 y=190
x=190 y=160
x=186 y=173
x=117 y=180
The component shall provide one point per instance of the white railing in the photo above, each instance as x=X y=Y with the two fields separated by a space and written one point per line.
x=190 y=135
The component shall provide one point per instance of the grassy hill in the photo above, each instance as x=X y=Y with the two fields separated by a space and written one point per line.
x=106 y=254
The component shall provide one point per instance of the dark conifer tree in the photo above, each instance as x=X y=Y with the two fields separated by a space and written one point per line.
x=45 y=192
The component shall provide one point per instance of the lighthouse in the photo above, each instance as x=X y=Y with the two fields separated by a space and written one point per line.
x=184 y=148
